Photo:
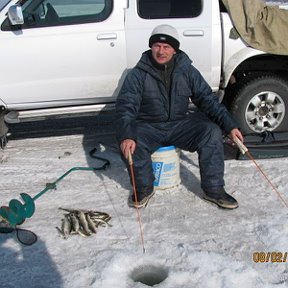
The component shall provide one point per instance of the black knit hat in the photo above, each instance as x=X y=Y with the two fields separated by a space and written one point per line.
x=165 y=34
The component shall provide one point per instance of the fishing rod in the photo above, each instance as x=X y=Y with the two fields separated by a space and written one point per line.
x=131 y=166
x=244 y=150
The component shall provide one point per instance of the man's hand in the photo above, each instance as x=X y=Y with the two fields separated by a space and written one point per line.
x=126 y=146
x=235 y=133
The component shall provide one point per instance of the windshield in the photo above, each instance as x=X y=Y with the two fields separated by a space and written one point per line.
x=3 y=3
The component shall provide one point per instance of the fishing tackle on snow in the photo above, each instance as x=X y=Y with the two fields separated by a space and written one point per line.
x=17 y=212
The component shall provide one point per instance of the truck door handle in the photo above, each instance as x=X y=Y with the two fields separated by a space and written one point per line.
x=193 y=33
x=107 y=36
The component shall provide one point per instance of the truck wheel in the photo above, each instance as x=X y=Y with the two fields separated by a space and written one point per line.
x=261 y=104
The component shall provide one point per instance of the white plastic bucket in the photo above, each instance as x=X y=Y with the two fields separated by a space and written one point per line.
x=166 y=167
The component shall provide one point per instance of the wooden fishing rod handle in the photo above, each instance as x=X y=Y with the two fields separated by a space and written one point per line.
x=243 y=149
x=130 y=160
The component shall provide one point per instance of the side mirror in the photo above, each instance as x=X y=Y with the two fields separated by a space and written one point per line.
x=15 y=15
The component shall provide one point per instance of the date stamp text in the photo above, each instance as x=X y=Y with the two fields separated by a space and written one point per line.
x=272 y=257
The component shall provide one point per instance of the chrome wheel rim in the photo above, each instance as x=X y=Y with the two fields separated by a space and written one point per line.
x=265 y=111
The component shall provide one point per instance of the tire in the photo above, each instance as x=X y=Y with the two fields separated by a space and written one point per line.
x=261 y=104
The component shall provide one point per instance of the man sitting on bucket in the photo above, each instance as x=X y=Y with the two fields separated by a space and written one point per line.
x=152 y=111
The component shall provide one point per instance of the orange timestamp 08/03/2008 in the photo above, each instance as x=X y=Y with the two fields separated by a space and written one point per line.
x=272 y=257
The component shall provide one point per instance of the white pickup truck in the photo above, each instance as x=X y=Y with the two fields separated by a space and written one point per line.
x=67 y=57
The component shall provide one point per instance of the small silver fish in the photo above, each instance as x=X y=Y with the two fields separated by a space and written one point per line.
x=99 y=214
x=101 y=218
x=74 y=223
x=83 y=222
x=102 y=223
x=65 y=227
x=83 y=233
x=92 y=226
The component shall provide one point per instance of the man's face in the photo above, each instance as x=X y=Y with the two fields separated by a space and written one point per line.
x=162 y=52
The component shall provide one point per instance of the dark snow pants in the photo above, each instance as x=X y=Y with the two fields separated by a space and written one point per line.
x=196 y=133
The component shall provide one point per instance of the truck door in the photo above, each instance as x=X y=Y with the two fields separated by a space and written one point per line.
x=67 y=52
x=198 y=25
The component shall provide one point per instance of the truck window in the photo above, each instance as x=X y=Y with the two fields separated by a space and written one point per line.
x=3 y=3
x=155 y=9
x=46 y=13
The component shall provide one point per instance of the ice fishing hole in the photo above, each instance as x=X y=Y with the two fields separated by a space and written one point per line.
x=149 y=275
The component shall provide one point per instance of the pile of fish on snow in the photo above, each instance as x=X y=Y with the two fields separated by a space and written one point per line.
x=82 y=222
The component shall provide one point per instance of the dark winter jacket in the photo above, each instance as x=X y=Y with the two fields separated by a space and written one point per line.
x=144 y=97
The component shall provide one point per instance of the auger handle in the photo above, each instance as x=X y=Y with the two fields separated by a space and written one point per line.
x=130 y=159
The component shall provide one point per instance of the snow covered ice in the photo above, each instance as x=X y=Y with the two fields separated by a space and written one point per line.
x=194 y=242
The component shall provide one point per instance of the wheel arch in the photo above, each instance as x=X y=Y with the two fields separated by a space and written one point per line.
x=260 y=64
x=233 y=63
x=249 y=61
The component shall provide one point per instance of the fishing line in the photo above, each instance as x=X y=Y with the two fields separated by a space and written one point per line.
x=244 y=150
x=136 y=200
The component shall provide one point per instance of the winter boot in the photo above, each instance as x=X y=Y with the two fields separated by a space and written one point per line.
x=219 y=196
x=142 y=198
